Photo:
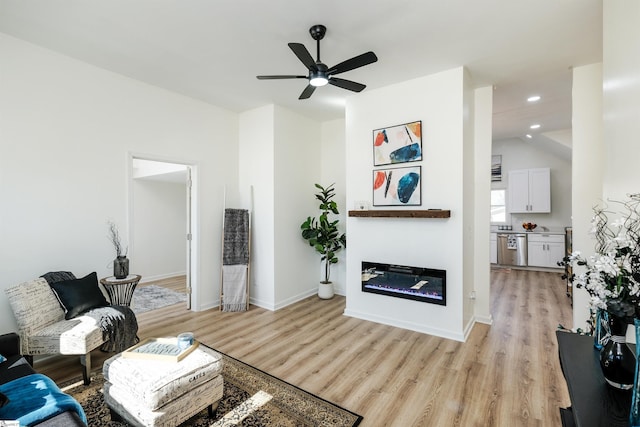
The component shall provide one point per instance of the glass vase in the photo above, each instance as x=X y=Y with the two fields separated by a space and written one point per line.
x=634 y=415
x=121 y=267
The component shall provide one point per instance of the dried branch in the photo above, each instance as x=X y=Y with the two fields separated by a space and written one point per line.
x=114 y=236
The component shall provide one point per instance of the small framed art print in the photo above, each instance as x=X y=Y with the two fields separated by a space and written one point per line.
x=397 y=144
x=397 y=187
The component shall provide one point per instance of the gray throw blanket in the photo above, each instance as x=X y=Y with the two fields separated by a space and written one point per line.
x=234 y=287
x=119 y=326
x=236 y=237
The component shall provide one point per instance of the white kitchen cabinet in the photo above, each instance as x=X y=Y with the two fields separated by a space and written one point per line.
x=530 y=190
x=545 y=250
x=493 y=250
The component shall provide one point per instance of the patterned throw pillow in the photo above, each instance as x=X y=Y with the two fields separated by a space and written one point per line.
x=58 y=276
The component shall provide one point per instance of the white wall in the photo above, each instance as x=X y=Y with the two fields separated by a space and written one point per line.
x=588 y=169
x=483 y=113
x=469 y=161
x=437 y=100
x=68 y=129
x=334 y=171
x=621 y=86
x=297 y=169
x=280 y=152
x=159 y=236
x=518 y=154
x=606 y=111
x=256 y=170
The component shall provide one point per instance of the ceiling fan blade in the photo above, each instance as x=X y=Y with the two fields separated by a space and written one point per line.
x=353 y=63
x=303 y=55
x=307 y=92
x=347 y=84
x=279 y=77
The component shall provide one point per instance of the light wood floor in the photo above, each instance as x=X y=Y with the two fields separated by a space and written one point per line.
x=174 y=283
x=506 y=374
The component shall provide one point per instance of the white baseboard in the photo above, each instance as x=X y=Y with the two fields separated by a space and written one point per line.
x=162 y=276
x=476 y=319
x=487 y=320
x=284 y=303
x=209 y=306
x=406 y=325
x=270 y=306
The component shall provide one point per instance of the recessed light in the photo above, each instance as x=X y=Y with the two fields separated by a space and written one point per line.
x=528 y=136
x=533 y=98
x=536 y=126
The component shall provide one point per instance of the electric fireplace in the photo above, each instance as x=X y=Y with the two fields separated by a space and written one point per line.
x=414 y=283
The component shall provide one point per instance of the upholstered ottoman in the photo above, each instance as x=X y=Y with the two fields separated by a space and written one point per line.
x=163 y=393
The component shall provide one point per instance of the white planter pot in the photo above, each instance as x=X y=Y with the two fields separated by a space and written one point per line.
x=325 y=290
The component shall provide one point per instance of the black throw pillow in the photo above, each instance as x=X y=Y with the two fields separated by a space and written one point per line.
x=79 y=295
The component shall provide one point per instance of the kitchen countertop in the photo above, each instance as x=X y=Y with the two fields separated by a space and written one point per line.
x=527 y=232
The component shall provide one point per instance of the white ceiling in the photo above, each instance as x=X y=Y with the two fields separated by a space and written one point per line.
x=213 y=49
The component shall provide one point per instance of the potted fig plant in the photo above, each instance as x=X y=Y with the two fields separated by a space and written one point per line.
x=323 y=235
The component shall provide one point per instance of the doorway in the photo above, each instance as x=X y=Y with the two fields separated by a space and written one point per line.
x=161 y=223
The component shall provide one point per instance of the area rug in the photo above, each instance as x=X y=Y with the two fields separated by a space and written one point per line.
x=251 y=398
x=152 y=297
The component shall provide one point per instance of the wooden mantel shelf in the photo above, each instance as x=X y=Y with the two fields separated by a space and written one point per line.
x=430 y=213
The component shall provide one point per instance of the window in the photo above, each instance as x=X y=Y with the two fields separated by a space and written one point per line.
x=499 y=206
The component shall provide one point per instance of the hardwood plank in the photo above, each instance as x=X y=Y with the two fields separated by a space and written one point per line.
x=506 y=374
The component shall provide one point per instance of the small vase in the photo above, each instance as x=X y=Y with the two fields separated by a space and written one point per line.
x=121 y=267
x=617 y=361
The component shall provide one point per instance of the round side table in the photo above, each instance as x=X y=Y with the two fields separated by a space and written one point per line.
x=120 y=291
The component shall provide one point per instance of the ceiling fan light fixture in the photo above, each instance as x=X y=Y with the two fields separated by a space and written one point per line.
x=318 y=81
x=319 y=73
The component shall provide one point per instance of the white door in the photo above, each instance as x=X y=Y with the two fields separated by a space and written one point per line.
x=189 y=236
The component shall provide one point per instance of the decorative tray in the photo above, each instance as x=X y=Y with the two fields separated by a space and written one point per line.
x=159 y=349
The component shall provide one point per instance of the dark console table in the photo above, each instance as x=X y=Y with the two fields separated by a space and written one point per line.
x=593 y=402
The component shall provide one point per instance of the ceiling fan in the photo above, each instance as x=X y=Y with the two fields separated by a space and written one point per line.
x=319 y=73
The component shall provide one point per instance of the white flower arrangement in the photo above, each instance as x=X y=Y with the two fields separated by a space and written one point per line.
x=612 y=275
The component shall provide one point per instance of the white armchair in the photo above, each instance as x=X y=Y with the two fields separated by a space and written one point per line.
x=43 y=329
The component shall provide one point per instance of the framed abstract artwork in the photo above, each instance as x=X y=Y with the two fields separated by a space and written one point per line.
x=496 y=168
x=397 y=144
x=397 y=187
